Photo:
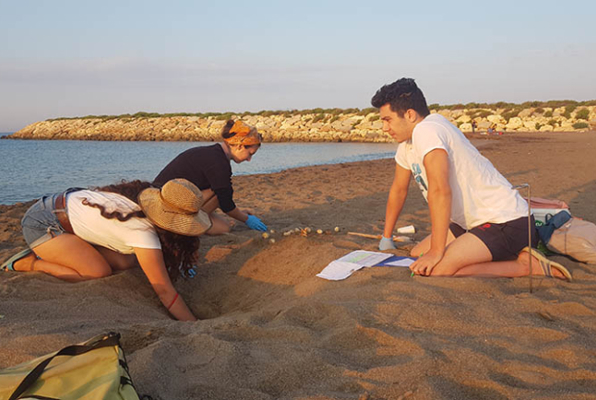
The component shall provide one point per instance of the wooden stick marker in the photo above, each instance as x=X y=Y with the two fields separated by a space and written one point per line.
x=401 y=239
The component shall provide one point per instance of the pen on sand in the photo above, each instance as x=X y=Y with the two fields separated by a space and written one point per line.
x=412 y=274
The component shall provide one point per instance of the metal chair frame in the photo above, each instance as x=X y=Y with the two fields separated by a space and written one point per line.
x=529 y=194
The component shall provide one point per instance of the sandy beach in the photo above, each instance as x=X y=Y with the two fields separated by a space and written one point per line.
x=271 y=329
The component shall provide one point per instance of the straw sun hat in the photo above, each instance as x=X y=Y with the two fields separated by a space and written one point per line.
x=176 y=207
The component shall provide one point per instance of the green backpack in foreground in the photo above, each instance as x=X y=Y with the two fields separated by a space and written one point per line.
x=95 y=369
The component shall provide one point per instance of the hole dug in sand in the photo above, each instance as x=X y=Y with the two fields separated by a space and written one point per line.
x=260 y=276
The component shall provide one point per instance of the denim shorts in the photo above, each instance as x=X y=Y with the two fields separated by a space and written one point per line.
x=40 y=223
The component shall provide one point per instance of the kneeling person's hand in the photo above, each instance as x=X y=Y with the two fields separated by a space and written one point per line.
x=255 y=223
x=426 y=263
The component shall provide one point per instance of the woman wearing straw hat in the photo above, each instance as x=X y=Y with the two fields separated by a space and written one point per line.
x=208 y=167
x=84 y=234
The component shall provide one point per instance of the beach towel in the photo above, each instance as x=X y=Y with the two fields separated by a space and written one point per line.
x=539 y=202
x=95 y=369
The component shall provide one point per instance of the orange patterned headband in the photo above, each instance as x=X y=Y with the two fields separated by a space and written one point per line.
x=244 y=135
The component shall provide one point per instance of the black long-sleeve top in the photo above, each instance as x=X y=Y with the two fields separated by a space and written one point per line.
x=207 y=167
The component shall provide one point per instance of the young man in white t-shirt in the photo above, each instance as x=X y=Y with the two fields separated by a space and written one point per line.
x=479 y=222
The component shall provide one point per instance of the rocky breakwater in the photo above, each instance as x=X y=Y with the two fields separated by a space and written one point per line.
x=538 y=119
x=274 y=128
x=334 y=126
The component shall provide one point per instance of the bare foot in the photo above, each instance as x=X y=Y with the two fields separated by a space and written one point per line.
x=538 y=270
x=25 y=264
x=542 y=266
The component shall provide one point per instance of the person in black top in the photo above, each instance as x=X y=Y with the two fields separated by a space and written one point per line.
x=208 y=167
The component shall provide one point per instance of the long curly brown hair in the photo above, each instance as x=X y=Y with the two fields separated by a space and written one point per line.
x=179 y=252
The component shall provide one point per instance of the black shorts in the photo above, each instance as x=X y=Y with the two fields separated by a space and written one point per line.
x=505 y=240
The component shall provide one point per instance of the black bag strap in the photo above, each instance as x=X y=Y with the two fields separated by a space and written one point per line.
x=111 y=339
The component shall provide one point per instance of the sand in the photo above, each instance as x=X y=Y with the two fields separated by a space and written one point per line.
x=271 y=329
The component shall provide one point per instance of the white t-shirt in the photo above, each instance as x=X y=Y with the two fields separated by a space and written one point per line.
x=480 y=194
x=120 y=236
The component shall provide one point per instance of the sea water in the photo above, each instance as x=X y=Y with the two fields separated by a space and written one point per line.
x=32 y=168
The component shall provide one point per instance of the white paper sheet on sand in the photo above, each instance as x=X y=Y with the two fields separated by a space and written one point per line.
x=343 y=267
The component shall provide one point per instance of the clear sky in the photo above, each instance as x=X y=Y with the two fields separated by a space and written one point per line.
x=75 y=58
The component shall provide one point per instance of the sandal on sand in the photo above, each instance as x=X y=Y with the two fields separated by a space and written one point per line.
x=9 y=264
x=548 y=265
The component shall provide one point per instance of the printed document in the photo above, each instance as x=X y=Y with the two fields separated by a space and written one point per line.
x=343 y=267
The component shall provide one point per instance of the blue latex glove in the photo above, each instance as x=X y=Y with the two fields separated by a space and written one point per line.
x=386 y=244
x=255 y=223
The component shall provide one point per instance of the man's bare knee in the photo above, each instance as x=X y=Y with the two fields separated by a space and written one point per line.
x=419 y=249
x=424 y=245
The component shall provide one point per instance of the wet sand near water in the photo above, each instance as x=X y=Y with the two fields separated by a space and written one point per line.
x=271 y=329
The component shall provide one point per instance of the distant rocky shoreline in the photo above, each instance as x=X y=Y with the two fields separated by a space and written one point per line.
x=301 y=127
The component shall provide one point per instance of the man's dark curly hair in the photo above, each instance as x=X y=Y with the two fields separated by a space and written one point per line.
x=401 y=95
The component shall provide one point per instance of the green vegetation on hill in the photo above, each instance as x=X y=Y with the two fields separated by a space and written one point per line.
x=539 y=105
x=324 y=114
x=584 y=113
x=580 y=125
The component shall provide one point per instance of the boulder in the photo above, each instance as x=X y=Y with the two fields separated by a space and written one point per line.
x=465 y=127
x=568 y=125
x=378 y=124
x=483 y=125
x=261 y=126
x=496 y=119
x=356 y=119
x=514 y=123
x=293 y=120
x=445 y=113
x=546 y=128
x=217 y=124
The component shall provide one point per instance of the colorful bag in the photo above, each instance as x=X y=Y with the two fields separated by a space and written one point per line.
x=577 y=239
x=552 y=223
x=95 y=369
